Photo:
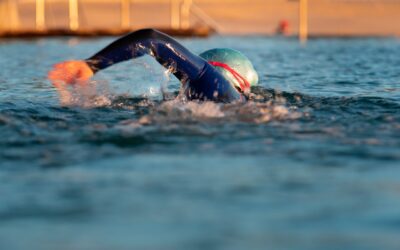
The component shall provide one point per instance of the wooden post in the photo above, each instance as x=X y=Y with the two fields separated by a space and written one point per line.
x=40 y=15
x=73 y=15
x=185 y=13
x=9 y=16
x=303 y=20
x=175 y=14
x=125 y=14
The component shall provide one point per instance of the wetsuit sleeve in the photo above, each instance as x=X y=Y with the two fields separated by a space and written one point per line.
x=168 y=52
x=202 y=81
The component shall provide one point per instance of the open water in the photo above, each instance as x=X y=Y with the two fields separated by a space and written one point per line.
x=311 y=162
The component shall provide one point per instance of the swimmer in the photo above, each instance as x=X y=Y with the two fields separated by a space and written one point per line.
x=221 y=75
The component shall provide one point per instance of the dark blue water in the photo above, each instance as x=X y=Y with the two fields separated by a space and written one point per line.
x=312 y=162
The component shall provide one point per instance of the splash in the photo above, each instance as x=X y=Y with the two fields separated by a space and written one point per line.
x=263 y=106
x=195 y=112
x=91 y=95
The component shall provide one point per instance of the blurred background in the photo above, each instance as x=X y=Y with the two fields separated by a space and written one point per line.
x=310 y=162
x=288 y=17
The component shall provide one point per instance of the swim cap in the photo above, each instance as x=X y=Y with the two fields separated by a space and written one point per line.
x=227 y=60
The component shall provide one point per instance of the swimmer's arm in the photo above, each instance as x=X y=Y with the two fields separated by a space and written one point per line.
x=167 y=51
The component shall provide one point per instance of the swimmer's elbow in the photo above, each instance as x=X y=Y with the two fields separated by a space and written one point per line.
x=146 y=33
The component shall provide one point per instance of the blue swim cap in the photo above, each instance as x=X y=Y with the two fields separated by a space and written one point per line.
x=236 y=61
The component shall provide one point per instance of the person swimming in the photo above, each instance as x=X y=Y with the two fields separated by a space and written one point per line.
x=221 y=75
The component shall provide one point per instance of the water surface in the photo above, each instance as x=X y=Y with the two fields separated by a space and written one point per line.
x=311 y=162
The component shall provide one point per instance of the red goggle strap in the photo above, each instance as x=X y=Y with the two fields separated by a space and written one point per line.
x=244 y=84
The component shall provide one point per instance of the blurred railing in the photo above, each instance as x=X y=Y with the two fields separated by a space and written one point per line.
x=180 y=12
x=303 y=17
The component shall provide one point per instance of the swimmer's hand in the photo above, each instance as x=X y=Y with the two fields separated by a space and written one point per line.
x=70 y=72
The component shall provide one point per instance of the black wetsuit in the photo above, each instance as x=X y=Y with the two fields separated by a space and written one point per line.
x=200 y=79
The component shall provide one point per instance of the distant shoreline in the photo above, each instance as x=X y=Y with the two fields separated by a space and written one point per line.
x=325 y=18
